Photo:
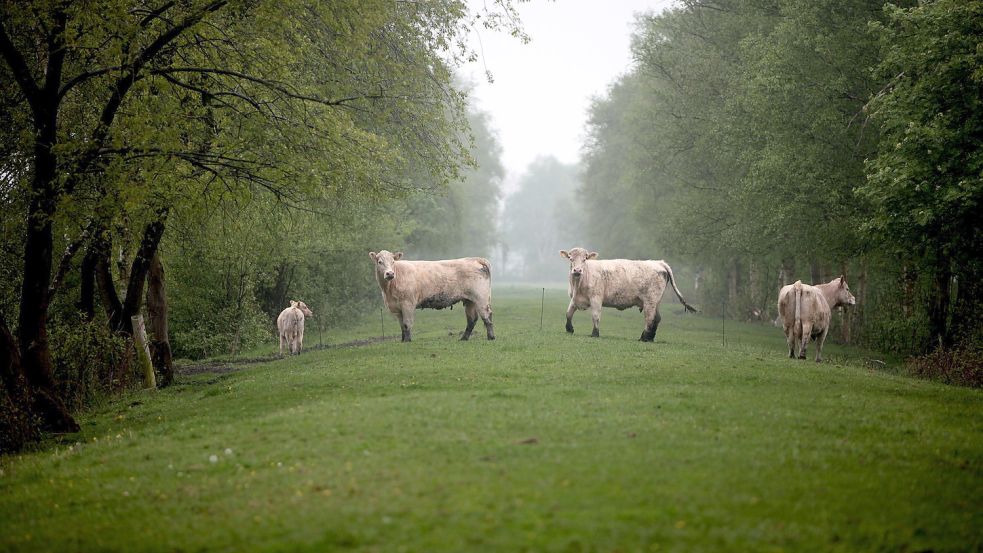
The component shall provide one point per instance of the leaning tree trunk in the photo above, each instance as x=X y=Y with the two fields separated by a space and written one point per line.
x=160 y=345
x=119 y=310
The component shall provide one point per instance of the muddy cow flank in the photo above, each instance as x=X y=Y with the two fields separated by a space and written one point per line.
x=290 y=325
x=618 y=283
x=410 y=285
x=805 y=312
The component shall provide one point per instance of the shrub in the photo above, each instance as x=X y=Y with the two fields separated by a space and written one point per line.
x=89 y=361
x=963 y=367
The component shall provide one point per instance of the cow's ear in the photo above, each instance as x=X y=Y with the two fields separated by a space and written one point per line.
x=293 y=303
x=591 y=255
x=564 y=254
x=397 y=256
x=842 y=281
x=373 y=255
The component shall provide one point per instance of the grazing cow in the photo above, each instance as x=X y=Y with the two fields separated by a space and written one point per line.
x=410 y=285
x=290 y=324
x=618 y=283
x=806 y=311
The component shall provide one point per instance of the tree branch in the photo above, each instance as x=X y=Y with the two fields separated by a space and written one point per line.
x=15 y=60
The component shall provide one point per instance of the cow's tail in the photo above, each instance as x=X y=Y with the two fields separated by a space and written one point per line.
x=798 y=305
x=672 y=281
x=485 y=266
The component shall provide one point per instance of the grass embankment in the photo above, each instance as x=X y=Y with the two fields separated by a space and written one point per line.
x=538 y=441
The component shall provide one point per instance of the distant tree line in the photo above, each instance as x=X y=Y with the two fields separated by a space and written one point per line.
x=762 y=142
x=202 y=162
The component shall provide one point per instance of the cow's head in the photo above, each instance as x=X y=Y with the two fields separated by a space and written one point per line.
x=843 y=295
x=578 y=260
x=385 y=263
x=303 y=308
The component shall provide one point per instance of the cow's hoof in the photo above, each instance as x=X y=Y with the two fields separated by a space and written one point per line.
x=491 y=337
x=595 y=334
x=464 y=338
x=802 y=357
x=570 y=328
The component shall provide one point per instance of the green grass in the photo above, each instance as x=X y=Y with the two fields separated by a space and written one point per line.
x=678 y=445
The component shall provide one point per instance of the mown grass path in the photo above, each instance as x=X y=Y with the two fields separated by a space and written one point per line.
x=538 y=441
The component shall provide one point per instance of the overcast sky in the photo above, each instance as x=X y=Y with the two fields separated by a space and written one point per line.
x=541 y=91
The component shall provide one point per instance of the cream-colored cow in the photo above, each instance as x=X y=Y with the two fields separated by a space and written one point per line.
x=290 y=324
x=618 y=283
x=410 y=285
x=806 y=311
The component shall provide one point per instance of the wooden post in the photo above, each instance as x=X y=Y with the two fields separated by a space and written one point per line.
x=143 y=351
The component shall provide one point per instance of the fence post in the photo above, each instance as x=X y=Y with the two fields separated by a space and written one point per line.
x=542 y=306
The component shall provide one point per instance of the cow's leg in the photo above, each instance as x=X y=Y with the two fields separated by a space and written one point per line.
x=819 y=344
x=406 y=323
x=804 y=339
x=282 y=339
x=652 y=320
x=790 y=340
x=595 y=316
x=471 y=312
x=486 y=317
x=570 y=311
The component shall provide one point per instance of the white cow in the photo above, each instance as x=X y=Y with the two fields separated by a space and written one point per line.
x=410 y=285
x=806 y=311
x=290 y=324
x=618 y=283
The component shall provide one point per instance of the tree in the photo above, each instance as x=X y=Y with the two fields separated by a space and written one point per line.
x=926 y=181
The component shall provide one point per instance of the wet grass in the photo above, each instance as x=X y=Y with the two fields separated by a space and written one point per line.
x=537 y=441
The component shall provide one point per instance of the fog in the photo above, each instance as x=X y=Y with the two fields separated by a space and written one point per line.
x=537 y=105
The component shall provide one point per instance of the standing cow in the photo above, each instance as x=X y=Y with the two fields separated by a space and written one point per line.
x=290 y=324
x=806 y=311
x=410 y=285
x=618 y=283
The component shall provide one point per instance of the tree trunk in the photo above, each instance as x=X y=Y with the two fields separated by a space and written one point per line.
x=939 y=306
x=18 y=426
x=119 y=312
x=143 y=351
x=734 y=283
x=102 y=246
x=160 y=345
x=844 y=312
x=35 y=352
x=788 y=271
x=816 y=273
x=87 y=287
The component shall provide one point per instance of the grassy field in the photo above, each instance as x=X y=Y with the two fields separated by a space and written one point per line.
x=538 y=441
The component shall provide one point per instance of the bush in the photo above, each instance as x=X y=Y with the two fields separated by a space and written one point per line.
x=89 y=361
x=222 y=331
x=963 y=367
